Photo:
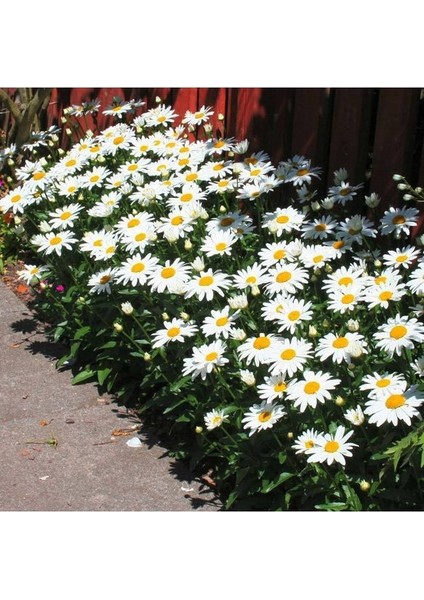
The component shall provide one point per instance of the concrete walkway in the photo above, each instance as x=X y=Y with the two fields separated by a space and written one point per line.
x=87 y=470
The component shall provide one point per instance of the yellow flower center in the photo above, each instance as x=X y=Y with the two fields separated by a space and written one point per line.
x=331 y=446
x=16 y=198
x=398 y=331
x=282 y=219
x=71 y=189
x=255 y=172
x=261 y=342
x=138 y=267
x=143 y=148
x=345 y=191
x=186 y=197
x=55 y=240
x=199 y=115
x=94 y=149
x=348 y=299
x=317 y=258
x=288 y=354
x=311 y=387
x=340 y=342
x=222 y=321
x=382 y=383
x=264 y=416
x=211 y=356
x=309 y=444
x=302 y=172
x=218 y=167
x=395 y=401
x=223 y=183
x=398 y=220
x=219 y=144
x=283 y=277
x=380 y=279
x=132 y=167
x=110 y=250
x=140 y=237
x=133 y=223
x=320 y=227
x=118 y=140
x=191 y=177
x=173 y=332
x=401 y=258
x=65 y=215
x=177 y=220
x=98 y=243
x=279 y=254
x=226 y=221
x=161 y=119
x=168 y=272
x=293 y=315
x=71 y=163
x=345 y=280
x=183 y=162
x=221 y=246
x=251 y=160
x=184 y=149
x=385 y=295
x=251 y=279
x=94 y=178
x=38 y=175
x=280 y=387
x=206 y=281
x=338 y=244
x=104 y=279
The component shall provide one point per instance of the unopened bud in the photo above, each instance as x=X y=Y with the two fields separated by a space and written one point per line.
x=165 y=316
x=398 y=177
x=290 y=435
x=340 y=401
x=198 y=429
x=147 y=357
x=364 y=485
x=188 y=245
x=220 y=117
x=118 y=327
x=68 y=131
x=312 y=331
x=185 y=316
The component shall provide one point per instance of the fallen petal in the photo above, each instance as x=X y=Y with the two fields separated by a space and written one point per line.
x=134 y=442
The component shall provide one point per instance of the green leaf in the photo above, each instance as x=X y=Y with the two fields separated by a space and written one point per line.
x=83 y=376
x=103 y=374
x=332 y=506
x=175 y=404
x=82 y=332
x=269 y=486
x=180 y=383
x=108 y=345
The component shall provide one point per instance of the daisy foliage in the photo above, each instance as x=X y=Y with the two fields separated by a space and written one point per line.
x=277 y=335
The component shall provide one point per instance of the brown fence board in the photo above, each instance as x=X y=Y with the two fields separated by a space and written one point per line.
x=394 y=140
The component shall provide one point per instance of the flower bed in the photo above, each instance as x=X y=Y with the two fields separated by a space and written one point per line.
x=274 y=335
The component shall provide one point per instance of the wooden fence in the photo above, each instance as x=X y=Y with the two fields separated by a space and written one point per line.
x=372 y=132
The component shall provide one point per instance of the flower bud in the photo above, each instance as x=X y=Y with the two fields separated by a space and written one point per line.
x=255 y=290
x=247 y=377
x=315 y=206
x=340 y=401
x=63 y=119
x=402 y=186
x=147 y=357
x=158 y=99
x=118 y=327
x=398 y=177
x=185 y=316
x=207 y=128
x=127 y=308
x=290 y=435
x=68 y=131
x=408 y=197
x=364 y=485
x=220 y=117
x=222 y=209
x=165 y=316
x=353 y=325
x=312 y=331
x=198 y=429
x=188 y=245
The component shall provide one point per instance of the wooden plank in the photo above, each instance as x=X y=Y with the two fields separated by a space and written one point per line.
x=311 y=125
x=216 y=98
x=394 y=141
x=350 y=133
x=275 y=134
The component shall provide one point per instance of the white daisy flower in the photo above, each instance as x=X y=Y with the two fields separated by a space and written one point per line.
x=65 y=217
x=355 y=416
x=314 y=387
x=218 y=243
x=288 y=356
x=401 y=257
x=274 y=387
x=136 y=269
x=293 y=313
x=306 y=441
x=355 y=229
x=383 y=294
x=395 y=407
x=343 y=300
x=286 y=278
x=316 y=256
x=283 y=220
x=95 y=177
x=176 y=330
x=200 y=116
x=55 y=242
x=332 y=448
x=251 y=276
x=206 y=284
x=274 y=308
x=100 y=282
x=16 y=200
x=273 y=253
x=205 y=359
x=257 y=349
x=170 y=276
x=398 y=220
x=70 y=186
x=107 y=248
x=418 y=366
x=339 y=347
x=344 y=192
x=220 y=323
x=262 y=416
x=381 y=385
x=215 y=418
x=31 y=272
x=318 y=229
x=416 y=280
x=398 y=333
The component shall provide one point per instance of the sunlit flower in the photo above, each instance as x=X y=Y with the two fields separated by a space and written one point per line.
x=416 y=280
x=395 y=407
x=286 y=278
x=65 y=217
x=401 y=257
x=383 y=294
x=257 y=349
x=319 y=228
x=344 y=192
x=205 y=359
x=219 y=323
x=100 y=282
x=293 y=313
x=262 y=416
x=200 y=116
x=398 y=333
x=206 y=284
x=273 y=387
x=283 y=220
x=136 y=269
x=314 y=387
x=343 y=300
x=355 y=416
x=176 y=330
x=288 y=356
x=249 y=277
x=215 y=418
x=170 y=276
x=218 y=243
x=339 y=347
x=381 y=385
x=274 y=253
x=316 y=256
x=55 y=241
x=306 y=441
x=332 y=448
x=31 y=273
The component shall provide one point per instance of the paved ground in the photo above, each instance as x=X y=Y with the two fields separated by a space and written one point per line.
x=86 y=470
